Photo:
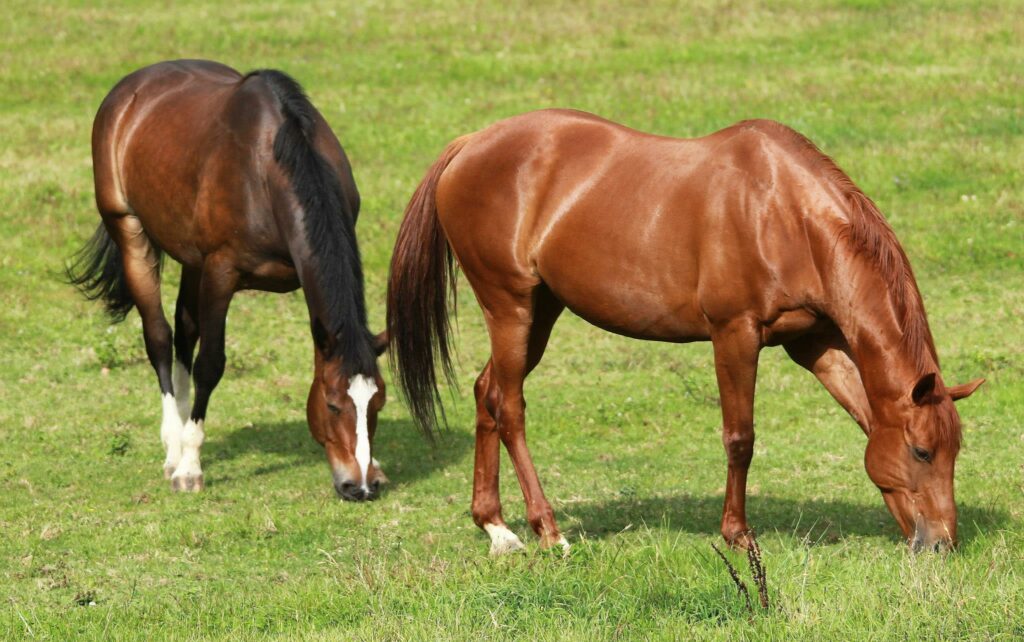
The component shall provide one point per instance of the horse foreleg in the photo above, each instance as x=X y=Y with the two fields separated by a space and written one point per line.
x=737 y=346
x=217 y=285
x=486 y=496
x=829 y=360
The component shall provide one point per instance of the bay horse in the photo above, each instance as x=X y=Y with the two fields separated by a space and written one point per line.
x=749 y=237
x=240 y=179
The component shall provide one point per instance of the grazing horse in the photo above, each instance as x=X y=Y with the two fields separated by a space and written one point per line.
x=749 y=237
x=240 y=180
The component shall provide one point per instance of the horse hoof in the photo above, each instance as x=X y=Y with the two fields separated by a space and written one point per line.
x=741 y=540
x=187 y=483
x=559 y=543
x=503 y=541
x=506 y=547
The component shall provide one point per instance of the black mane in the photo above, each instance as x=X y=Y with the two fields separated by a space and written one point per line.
x=339 y=324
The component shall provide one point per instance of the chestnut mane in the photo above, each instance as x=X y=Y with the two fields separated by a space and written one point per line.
x=869 y=234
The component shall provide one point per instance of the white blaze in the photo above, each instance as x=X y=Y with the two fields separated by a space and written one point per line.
x=362 y=389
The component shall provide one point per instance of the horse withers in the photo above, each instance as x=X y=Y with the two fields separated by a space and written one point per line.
x=748 y=237
x=240 y=179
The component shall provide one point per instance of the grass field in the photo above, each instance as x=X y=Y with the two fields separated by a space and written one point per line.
x=921 y=102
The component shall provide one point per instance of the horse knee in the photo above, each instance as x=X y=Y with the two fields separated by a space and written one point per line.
x=739 y=445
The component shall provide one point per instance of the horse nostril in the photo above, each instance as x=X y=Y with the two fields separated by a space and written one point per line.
x=374 y=489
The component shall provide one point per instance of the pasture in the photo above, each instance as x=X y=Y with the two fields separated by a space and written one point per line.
x=920 y=102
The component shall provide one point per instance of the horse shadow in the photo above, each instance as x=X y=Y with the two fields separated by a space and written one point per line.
x=812 y=521
x=406 y=456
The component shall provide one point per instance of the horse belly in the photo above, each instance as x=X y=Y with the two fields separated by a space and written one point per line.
x=627 y=299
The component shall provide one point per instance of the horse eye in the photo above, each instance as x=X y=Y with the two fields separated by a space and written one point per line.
x=334 y=409
x=922 y=455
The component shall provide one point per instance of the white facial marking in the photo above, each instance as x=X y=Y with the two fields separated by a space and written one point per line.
x=362 y=388
x=182 y=389
x=503 y=540
x=170 y=432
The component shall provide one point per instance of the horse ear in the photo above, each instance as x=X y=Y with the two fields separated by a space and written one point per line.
x=924 y=390
x=964 y=390
x=380 y=343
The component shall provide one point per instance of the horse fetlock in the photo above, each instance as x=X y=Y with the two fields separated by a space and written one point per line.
x=553 y=540
x=482 y=516
x=543 y=524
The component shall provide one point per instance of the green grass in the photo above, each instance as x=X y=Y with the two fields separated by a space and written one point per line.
x=920 y=102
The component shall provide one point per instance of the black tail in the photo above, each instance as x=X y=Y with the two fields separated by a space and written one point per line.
x=421 y=281
x=98 y=273
x=339 y=322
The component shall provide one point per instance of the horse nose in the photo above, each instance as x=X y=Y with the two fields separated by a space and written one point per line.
x=350 y=491
x=943 y=546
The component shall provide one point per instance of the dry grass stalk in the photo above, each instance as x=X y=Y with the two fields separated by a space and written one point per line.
x=757 y=572
x=740 y=586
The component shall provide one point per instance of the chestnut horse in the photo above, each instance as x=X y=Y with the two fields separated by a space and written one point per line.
x=240 y=180
x=749 y=237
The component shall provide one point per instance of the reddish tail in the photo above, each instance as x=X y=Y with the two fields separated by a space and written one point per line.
x=421 y=282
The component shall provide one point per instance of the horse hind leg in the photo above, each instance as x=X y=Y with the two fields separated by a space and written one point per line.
x=141 y=261
x=486 y=508
x=215 y=288
x=518 y=341
x=186 y=335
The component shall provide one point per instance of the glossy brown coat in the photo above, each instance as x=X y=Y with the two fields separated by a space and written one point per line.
x=748 y=237
x=186 y=156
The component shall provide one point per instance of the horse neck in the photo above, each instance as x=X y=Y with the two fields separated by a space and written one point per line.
x=871 y=320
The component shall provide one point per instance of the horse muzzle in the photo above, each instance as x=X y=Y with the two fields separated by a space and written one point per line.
x=930 y=539
x=350 y=491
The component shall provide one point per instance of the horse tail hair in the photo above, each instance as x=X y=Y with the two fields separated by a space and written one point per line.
x=421 y=284
x=329 y=222
x=97 y=271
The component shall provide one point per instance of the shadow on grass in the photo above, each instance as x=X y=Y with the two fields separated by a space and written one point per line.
x=405 y=454
x=826 y=521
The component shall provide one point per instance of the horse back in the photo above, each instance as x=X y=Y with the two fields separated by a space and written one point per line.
x=647 y=236
x=187 y=147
